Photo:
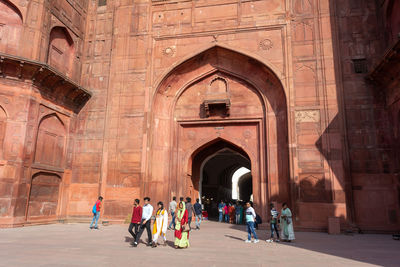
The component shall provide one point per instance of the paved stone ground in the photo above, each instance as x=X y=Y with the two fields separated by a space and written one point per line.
x=214 y=245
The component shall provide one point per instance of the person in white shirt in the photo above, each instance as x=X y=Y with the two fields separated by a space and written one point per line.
x=250 y=219
x=145 y=223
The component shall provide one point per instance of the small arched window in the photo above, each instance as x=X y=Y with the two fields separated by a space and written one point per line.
x=61 y=50
x=393 y=20
x=10 y=28
x=3 y=122
x=50 y=142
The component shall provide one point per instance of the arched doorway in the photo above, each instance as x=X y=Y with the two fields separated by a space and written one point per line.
x=44 y=196
x=212 y=171
x=219 y=96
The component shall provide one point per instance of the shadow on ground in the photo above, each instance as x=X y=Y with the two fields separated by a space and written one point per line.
x=366 y=248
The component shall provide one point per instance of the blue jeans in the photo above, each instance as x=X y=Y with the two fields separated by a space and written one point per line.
x=96 y=217
x=274 y=227
x=198 y=220
x=173 y=220
x=220 y=217
x=250 y=230
x=227 y=218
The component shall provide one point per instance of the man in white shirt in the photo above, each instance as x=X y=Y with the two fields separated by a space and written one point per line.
x=147 y=212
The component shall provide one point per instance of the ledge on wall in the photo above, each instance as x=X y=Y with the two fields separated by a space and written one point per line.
x=53 y=85
x=386 y=72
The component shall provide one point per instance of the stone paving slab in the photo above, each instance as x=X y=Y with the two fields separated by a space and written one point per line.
x=216 y=244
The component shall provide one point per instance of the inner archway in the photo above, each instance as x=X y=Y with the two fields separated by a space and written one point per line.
x=213 y=169
x=245 y=185
x=237 y=177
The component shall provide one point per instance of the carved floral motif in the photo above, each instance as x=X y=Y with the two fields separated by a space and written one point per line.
x=266 y=44
x=307 y=116
x=169 y=51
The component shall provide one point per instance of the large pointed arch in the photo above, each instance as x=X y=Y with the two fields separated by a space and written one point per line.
x=222 y=58
x=206 y=48
x=271 y=127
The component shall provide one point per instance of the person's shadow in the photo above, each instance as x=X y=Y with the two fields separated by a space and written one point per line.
x=171 y=244
x=234 y=237
x=129 y=239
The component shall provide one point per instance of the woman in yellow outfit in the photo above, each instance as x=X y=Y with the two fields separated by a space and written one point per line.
x=160 y=224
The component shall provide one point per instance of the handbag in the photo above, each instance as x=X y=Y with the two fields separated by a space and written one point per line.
x=185 y=229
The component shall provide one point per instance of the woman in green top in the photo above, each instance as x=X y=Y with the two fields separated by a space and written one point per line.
x=181 y=227
x=286 y=224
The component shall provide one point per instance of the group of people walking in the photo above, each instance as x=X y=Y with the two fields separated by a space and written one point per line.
x=239 y=213
x=284 y=220
x=181 y=213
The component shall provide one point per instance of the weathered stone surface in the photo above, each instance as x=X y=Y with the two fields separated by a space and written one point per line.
x=134 y=98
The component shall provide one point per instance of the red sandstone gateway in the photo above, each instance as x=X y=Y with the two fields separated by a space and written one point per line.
x=177 y=98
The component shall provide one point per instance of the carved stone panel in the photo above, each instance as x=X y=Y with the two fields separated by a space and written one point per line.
x=307 y=116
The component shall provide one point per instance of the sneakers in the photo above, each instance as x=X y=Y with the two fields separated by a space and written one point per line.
x=256 y=241
x=247 y=241
x=91 y=227
x=269 y=240
x=135 y=244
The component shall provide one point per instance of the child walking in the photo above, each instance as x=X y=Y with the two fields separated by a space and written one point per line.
x=273 y=224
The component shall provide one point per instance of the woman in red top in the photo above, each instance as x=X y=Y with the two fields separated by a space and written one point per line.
x=232 y=213
x=136 y=218
x=226 y=212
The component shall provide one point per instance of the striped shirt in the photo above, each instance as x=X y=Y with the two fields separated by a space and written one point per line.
x=274 y=214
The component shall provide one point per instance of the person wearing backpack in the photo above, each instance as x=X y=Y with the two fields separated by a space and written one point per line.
x=96 y=213
x=257 y=221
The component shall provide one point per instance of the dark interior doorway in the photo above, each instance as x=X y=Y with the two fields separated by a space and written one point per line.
x=218 y=163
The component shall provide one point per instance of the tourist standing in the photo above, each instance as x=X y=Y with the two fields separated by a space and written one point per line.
x=273 y=224
x=232 y=213
x=226 y=212
x=237 y=213
x=190 y=210
x=198 y=212
x=250 y=220
x=147 y=211
x=172 y=209
x=221 y=207
x=96 y=213
x=160 y=224
x=181 y=228
x=287 y=233
x=241 y=213
x=136 y=218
